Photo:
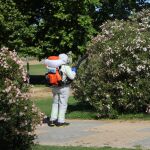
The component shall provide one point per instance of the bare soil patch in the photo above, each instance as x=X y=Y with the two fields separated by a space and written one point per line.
x=40 y=92
x=34 y=62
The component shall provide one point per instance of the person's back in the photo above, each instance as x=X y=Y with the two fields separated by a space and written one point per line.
x=67 y=74
x=61 y=94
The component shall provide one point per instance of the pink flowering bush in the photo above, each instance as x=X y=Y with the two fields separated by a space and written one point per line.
x=18 y=115
x=116 y=76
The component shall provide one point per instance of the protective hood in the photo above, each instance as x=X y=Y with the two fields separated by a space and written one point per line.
x=53 y=63
x=64 y=58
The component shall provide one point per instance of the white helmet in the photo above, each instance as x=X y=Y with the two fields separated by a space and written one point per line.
x=64 y=58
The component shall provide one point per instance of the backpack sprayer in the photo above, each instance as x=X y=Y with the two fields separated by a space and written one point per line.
x=80 y=61
x=76 y=67
x=54 y=75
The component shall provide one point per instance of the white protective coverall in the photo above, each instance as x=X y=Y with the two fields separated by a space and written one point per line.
x=61 y=94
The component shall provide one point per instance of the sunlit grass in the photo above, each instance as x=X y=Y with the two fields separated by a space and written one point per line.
x=78 y=110
x=38 y=69
x=75 y=109
x=40 y=147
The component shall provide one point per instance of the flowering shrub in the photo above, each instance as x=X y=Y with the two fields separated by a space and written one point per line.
x=18 y=115
x=116 y=76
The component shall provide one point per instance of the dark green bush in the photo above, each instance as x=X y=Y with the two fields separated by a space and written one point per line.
x=18 y=115
x=116 y=76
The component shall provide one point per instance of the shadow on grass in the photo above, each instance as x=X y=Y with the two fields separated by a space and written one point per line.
x=37 y=79
x=80 y=106
x=80 y=110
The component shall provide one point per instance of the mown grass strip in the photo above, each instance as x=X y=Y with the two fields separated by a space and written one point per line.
x=38 y=69
x=40 y=147
x=77 y=110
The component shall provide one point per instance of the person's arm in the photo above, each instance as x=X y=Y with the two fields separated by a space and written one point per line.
x=69 y=73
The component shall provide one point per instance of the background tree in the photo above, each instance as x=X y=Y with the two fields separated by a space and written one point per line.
x=61 y=26
x=16 y=32
x=43 y=27
x=117 y=9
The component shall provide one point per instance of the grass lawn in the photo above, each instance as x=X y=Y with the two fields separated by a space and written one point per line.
x=40 y=147
x=75 y=109
x=78 y=110
x=38 y=69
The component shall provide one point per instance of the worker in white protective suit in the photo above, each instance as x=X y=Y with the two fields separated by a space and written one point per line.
x=61 y=95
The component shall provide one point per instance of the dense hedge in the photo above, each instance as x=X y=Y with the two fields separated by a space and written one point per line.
x=116 y=76
x=18 y=115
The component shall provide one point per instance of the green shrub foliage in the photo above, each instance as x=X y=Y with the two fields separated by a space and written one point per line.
x=116 y=76
x=18 y=115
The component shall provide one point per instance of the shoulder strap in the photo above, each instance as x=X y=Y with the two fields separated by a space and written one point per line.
x=59 y=70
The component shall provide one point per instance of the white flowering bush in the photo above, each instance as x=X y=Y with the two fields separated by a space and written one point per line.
x=18 y=115
x=116 y=76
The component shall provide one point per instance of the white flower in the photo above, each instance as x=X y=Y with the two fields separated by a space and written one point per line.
x=140 y=67
x=144 y=49
x=128 y=70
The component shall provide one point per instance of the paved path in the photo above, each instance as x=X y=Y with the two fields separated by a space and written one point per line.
x=127 y=134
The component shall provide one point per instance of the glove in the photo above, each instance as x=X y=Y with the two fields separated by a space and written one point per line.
x=74 y=69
